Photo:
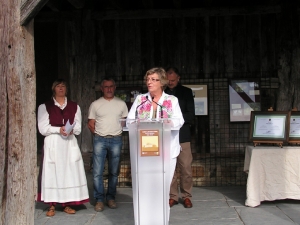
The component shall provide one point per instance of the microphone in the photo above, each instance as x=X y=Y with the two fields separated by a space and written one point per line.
x=161 y=107
x=136 y=109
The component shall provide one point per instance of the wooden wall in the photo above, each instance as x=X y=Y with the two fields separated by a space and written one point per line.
x=17 y=117
x=206 y=46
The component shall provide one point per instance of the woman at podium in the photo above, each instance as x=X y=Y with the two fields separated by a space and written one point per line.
x=156 y=105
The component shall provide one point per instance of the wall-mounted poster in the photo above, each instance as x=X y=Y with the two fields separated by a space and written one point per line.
x=244 y=97
x=200 y=98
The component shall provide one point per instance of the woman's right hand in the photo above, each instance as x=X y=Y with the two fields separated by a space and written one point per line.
x=63 y=131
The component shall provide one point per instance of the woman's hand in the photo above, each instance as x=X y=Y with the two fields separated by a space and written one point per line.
x=62 y=131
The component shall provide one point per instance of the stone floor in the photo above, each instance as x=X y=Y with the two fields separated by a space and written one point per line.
x=212 y=206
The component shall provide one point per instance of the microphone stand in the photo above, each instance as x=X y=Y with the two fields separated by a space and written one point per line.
x=161 y=107
x=136 y=109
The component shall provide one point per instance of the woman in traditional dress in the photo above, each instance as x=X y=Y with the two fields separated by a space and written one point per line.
x=63 y=178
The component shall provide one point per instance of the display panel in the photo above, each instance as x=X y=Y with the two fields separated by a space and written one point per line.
x=200 y=98
x=244 y=97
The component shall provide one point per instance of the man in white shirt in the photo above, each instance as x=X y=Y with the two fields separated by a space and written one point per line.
x=104 y=115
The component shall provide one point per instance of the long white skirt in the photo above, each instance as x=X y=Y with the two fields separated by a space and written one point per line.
x=63 y=176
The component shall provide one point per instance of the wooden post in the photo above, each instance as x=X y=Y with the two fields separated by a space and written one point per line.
x=17 y=117
x=289 y=56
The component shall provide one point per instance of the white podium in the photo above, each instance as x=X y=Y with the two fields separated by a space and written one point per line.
x=150 y=170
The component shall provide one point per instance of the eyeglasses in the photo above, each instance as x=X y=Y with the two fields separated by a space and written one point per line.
x=107 y=87
x=152 y=80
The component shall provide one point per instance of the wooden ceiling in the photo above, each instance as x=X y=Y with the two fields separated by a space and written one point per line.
x=104 y=5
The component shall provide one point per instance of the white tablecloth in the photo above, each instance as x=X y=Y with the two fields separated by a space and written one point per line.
x=273 y=173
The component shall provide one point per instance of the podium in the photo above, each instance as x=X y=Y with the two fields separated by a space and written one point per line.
x=150 y=170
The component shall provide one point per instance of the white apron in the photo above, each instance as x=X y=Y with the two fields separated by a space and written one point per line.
x=63 y=177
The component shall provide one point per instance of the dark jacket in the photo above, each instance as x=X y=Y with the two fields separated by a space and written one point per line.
x=187 y=106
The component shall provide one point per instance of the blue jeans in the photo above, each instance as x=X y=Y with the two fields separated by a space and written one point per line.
x=112 y=148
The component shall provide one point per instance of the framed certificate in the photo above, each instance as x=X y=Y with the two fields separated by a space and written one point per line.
x=294 y=131
x=269 y=127
x=244 y=97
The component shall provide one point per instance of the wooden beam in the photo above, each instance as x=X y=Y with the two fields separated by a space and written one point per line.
x=116 y=4
x=148 y=4
x=177 y=13
x=78 y=4
x=52 y=6
x=159 y=13
x=177 y=4
x=29 y=9
x=18 y=148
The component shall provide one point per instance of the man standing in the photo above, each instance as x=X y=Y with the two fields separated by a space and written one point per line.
x=103 y=122
x=184 y=159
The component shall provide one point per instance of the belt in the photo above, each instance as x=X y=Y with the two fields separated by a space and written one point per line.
x=109 y=136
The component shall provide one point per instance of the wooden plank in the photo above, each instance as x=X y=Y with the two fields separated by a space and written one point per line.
x=206 y=55
x=200 y=47
x=177 y=4
x=137 y=70
x=5 y=46
x=52 y=6
x=157 y=43
x=87 y=79
x=213 y=59
x=30 y=9
x=226 y=64
x=17 y=117
x=286 y=50
x=62 y=50
x=176 y=41
x=221 y=47
x=253 y=60
x=110 y=49
x=168 y=39
x=296 y=69
x=239 y=45
x=179 y=13
x=268 y=43
x=296 y=57
x=147 y=50
x=120 y=67
x=83 y=59
x=78 y=4
x=191 y=67
x=148 y=4
x=100 y=49
x=128 y=31
x=181 y=60
x=132 y=47
x=159 y=13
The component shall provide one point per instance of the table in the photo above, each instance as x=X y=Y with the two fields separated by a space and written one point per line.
x=273 y=173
